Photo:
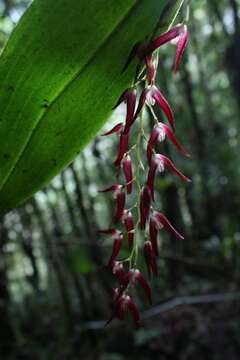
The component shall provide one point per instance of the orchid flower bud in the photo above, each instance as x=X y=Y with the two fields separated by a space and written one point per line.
x=150 y=259
x=145 y=202
x=128 y=172
x=129 y=225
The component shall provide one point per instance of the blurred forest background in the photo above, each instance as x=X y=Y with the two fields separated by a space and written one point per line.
x=54 y=296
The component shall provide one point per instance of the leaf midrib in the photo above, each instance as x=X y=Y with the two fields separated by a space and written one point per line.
x=66 y=86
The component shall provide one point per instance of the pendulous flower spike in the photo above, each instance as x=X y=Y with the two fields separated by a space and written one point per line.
x=143 y=208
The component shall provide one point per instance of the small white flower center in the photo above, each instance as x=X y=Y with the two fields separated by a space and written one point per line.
x=150 y=101
x=160 y=165
x=161 y=133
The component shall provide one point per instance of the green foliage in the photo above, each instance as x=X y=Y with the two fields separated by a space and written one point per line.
x=79 y=262
x=60 y=75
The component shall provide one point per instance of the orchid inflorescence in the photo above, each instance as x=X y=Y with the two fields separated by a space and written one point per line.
x=141 y=217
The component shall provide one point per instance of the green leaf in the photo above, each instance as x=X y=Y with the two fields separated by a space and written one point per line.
x=60 y=75
x=80 y=262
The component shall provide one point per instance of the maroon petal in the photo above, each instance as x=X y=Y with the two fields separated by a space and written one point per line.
x=129 y=225
x=128 y=172
x=164 y=105
x=123 y=148
x=144 y=284
x=118 y=270
x=151 y=69
x=120 y=308
x=147 y=255
x=151 y=177
x=112 y=232
x=172 y=137
x=133 y=309
x=153 y=235
x=121 y=197
x=182 y=43
x=116 y=129
x=151 y=143
x=167 y=225
x=163 y=39
x=115 y=251
x=131 y=103
x=113 y=188
x=145 y=202
x=150 y=259
x=173 y=168
x=141 y=102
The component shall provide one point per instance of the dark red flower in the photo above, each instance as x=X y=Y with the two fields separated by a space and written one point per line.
x=150 y=259
x=158 y=163
x=153 y=231
x=145 y=202
x=117 y=244
x=129 y=96
x=168 y=36
x=115 y=189
x=151 y=69
x=162 y=222
x=181 y=45
x=125 y=304
x=119 y=272
x=128 y=172
x=123 y=148
x=152 y=95
x=113 y=232
x=129 y=225
x=121 y=198
x=116 y=129
x=159 y=133
x=133 y=276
